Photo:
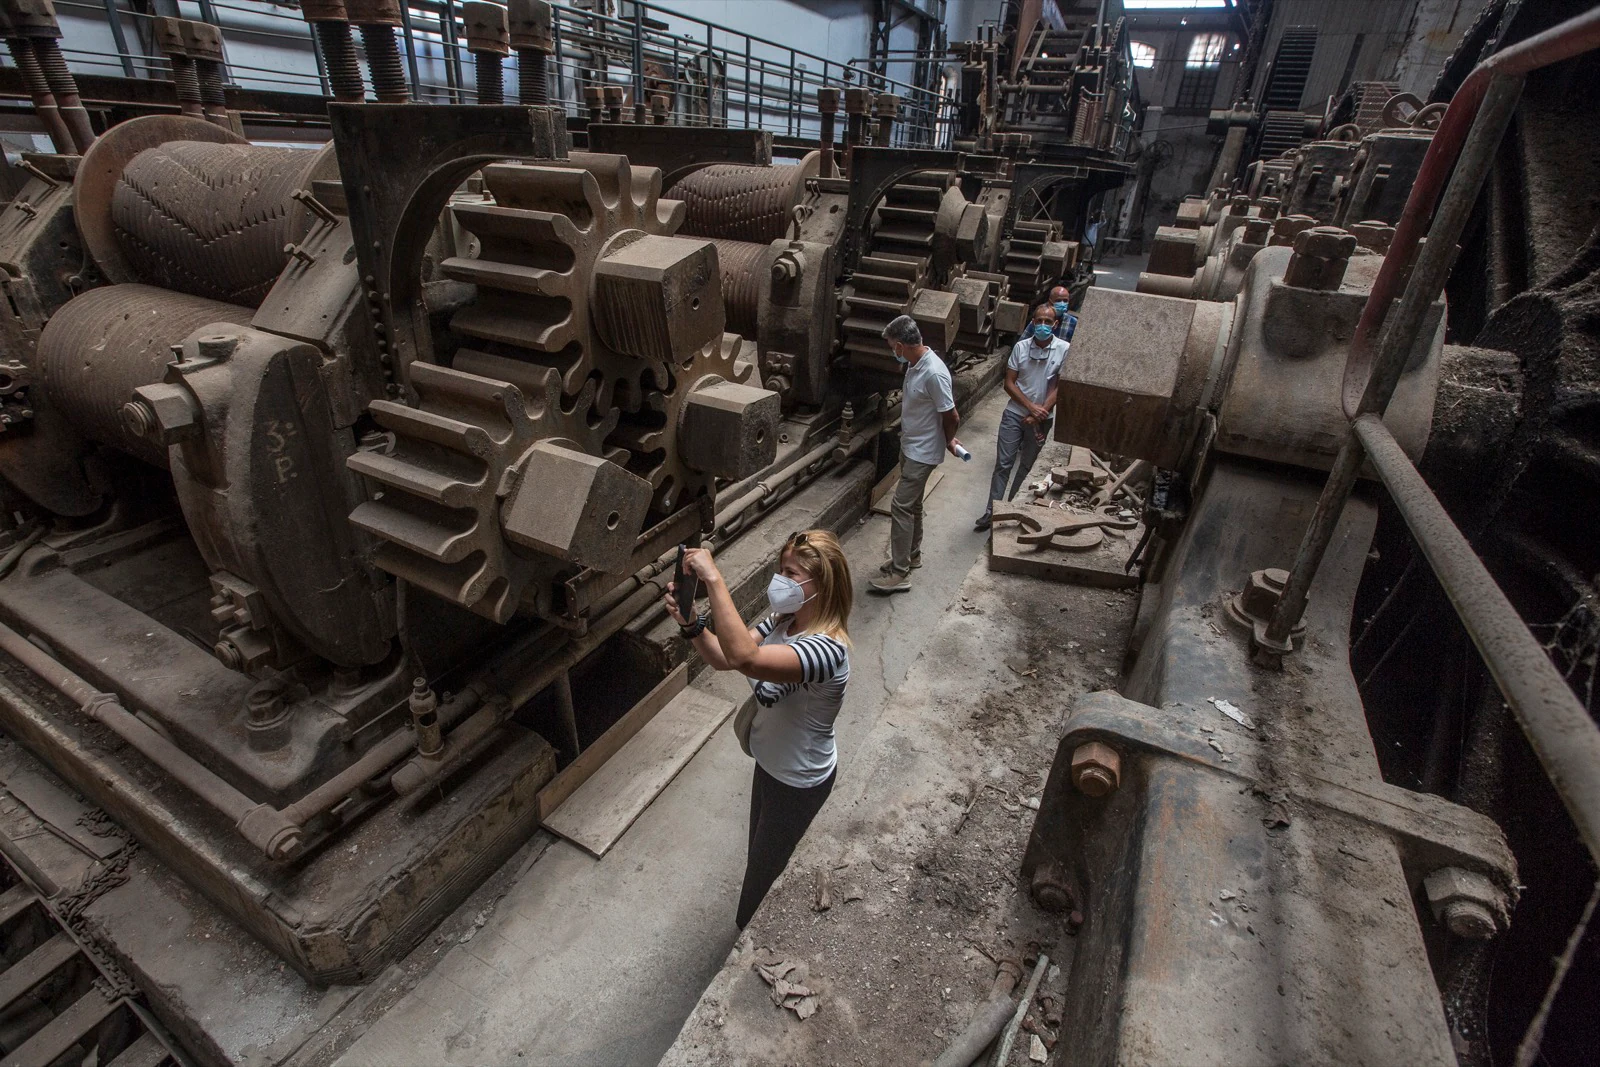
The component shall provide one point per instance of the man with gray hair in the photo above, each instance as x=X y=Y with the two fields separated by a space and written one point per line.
x=928 y=422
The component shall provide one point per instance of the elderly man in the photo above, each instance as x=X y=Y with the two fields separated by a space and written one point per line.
x=1066 y=321
x=1031 y=381
x=928 y=422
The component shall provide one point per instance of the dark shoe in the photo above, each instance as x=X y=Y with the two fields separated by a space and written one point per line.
x=984 y=522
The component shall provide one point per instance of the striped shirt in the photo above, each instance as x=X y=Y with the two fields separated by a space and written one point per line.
x=791 y=736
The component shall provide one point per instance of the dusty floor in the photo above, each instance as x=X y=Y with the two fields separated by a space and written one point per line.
x=920 y=844
x=571 y=960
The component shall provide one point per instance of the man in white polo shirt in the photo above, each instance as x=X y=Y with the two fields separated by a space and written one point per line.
x=928 y=422
x=1031 y=380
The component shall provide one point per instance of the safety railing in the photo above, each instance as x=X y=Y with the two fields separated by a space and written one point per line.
x=710 y=75
x=1557 y=725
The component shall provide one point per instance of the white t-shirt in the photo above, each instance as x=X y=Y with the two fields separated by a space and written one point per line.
x=925 y=396
x=1035 y=368
x=791 y=736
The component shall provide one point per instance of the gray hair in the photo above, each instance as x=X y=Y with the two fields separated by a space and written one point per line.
x=904 y=330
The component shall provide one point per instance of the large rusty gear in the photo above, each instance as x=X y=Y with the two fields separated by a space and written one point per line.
x=455 y=458
x=651 y=436
x=541 y=237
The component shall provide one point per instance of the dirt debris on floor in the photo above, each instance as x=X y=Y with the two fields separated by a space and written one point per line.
x=906 y=893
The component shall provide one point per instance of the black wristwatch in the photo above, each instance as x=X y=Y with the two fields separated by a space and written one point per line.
x=700 y=626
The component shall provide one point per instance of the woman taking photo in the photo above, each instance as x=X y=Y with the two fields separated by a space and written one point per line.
x=798 y=661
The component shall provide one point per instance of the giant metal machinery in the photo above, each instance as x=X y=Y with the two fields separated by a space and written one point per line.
x=328 y=474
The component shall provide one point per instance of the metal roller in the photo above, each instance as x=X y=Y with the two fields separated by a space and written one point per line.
x=103 y=345
x=743 y=203
x=210 y=219
x=744 y=269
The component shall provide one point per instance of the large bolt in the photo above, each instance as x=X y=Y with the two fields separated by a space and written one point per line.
x=1256 y=231
x=594 y=98
x=1050 y=888
x=533 y=39
x=1096 y=769
x=660 y=109
x=1267 y=207
x=489 y=41
x=1469 y=919
x=228 y=654
x=139 y=418
x=1374 y=236
x=1285 y=228
x=614 y=95
x=1320 y=257
x=1465 y=902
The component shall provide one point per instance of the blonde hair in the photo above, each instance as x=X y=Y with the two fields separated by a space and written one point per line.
x=819 y=554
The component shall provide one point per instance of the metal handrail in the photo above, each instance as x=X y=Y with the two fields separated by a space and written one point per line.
x=737 y=76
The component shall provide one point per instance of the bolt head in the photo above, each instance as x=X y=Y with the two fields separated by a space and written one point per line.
x=1096 y=769
x=1325 y=242
x=228 y=654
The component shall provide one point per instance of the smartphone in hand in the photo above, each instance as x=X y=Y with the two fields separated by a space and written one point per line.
x=686 y=584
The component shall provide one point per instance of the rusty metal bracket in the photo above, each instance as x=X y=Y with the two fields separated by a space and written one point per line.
x=1429 y=832
x=399 y=165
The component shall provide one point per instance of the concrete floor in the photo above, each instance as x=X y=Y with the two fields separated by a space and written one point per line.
x=600 y=962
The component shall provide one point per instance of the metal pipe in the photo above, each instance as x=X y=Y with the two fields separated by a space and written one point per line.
x=1399 y=337
x=105 y=709
x=568 y=712
x=1557 y=725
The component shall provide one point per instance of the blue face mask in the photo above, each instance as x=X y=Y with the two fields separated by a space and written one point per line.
x=902 y=360
x=1061 y=310
x=1043 y=332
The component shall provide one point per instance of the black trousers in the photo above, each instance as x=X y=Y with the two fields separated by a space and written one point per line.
x=779 y=815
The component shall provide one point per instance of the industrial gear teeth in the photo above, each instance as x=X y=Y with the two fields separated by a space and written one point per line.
x=541 y=239
x=455 y=457
x=1024 y=258
x=898 y=260
x=651 y=436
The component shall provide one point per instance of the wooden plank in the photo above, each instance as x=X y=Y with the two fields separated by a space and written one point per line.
x=881 y=507
x=599 y=812
x=35 y=967
x=71 y=1027
x=606 y=745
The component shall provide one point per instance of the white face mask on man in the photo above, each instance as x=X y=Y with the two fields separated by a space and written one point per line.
x=785 y=595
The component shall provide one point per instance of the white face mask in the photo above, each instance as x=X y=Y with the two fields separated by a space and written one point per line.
x=785 y=595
